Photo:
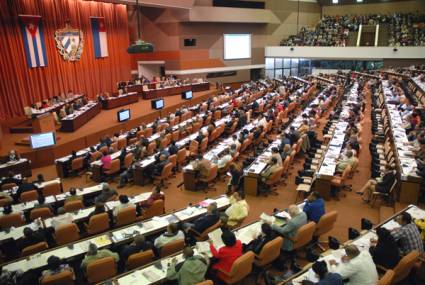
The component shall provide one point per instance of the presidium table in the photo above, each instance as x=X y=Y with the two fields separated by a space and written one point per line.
x=149 y=91
x=120 y=100
x=74 y=121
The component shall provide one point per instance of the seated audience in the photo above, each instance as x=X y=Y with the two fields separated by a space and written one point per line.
x=31 y=237
x=155 y=195
x=106 y=195
x=237 y=211
x=256 y=245
x=93 y=254
x=55 y=266
x=381 y=184
x=139 y=244
x=320 y=268
x=124 y=203
x=191 y=271
x=172 y=234
x=314 y=207
x=357 y=266
x=384 y=250
x=407 y=236
x=226 y=255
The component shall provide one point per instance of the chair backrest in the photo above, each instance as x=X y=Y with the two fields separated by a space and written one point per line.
x=156 y=209
x=126 y=216
x=8 y=186
x=148 y=132
x=275 y=177
x=151 y=147
x=403 y=268
x=72 y=206
x=95 y=156
x=269 y=252
x=172 y=247
x=173 y=160
x=204 y=145
x=103 y=149
x=304 y=235
x=204 y=234
x=101 y=269
x=98 y=223
x=115 y=167
x=345 y=173
x=122 y=142
x=326 y=223
x=241 y=268
x=4 y=201
x=139 y=259
x=167 y=170
x=34 y=248
x=42 y=213
x=29 y=196
x=11 y=220
x=212 y=174
x=77 y=163
x=66 y=233
x=181 y=155
x=114 y=146
x=176 y=135
x=285 y=164
x=128 y=160
x=193 y=146
x=206 y=282
x=387 y=279
x=63 y=278
x=51 y=189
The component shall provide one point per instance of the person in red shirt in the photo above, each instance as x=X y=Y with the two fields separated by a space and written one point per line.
x=227 y=254
x=156 y=195
x=106 y=161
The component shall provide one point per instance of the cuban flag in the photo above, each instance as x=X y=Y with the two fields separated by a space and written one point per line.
x=99 y=37
x=33 y=36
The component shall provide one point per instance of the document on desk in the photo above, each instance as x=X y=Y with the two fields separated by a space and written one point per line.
x=203 y=247
x=215 y=237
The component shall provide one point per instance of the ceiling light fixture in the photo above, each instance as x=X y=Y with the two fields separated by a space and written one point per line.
x=139 y=46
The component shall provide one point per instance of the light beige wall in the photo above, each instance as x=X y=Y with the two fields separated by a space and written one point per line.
x=382 y=8
x=287 y=12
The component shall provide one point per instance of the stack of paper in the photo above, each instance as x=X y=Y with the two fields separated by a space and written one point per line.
x=215 y=237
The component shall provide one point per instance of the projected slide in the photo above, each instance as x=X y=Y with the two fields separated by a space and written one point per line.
x=237 y=46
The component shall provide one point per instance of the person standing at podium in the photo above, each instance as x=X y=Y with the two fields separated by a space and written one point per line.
x=13 y=155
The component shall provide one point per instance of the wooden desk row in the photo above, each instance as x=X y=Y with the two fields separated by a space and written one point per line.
x=115 y=237
x=22 y=166
x=169 y=91
x=58 y=106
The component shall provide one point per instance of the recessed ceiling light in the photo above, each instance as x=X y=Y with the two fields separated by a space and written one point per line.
x=359 y=1
x=334 y=1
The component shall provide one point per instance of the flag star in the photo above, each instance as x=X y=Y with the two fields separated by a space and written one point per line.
x=31 y=26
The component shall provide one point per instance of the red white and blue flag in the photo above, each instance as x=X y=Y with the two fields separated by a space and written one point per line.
x=99 y=37
x=33 y=36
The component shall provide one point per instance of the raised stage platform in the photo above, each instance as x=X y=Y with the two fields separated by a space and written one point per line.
x=103 y=124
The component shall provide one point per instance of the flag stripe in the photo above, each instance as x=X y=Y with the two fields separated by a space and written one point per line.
x=39 y=48
x=43 y=46
x=34 y=46
x=96 y=39
x=103 y=44
x=24 y=36
x=31 y=49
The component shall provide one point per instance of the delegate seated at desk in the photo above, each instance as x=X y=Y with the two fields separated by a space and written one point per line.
x=202 y=223
x=202 y=168
x=10 y=179
x=13 y=156
x=347 y=160
x=93 y=254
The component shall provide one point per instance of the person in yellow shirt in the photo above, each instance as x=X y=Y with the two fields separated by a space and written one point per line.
x=237 y=211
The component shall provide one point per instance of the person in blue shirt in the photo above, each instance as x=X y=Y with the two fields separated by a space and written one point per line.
x=314 y=207
x=325 y=278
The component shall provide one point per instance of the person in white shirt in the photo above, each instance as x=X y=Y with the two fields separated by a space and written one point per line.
x=172 y=234
x=357 y=266
x=224 y=159
x=275 y=153
x=235 y=141
x=124 y=203
x=62 y=219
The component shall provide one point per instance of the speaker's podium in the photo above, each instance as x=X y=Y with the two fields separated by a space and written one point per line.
x=43 y=123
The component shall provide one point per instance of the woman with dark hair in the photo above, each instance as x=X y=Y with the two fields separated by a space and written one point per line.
x=256 y=245
x=384 y=251
x=55 y=266
x=325 y=277
x=227 y=254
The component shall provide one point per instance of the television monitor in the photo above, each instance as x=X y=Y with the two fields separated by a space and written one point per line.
x=157 y=104
x=187 y=95
x=43 y=140
x=123 y=115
